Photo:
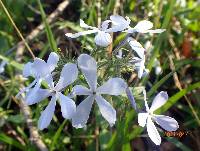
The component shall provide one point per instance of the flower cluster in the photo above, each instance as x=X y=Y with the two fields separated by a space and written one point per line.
x=118 y=23
x=43 y=72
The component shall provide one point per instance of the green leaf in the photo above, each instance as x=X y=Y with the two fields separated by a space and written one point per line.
x=17 y=119
x=159 y=83
x=178 y=144
x=193 y=62
x=12 y=63
x=120 y=139
x=6 y=139
x=57 y=135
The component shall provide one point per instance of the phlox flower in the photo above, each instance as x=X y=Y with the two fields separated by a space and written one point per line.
x=40 y=70
x=139 y=62
x=144 y=26
x=114 y=86
x=166 y=122
x=68 y=75
x=103 y=37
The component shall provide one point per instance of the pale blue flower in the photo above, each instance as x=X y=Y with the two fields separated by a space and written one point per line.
x=139 y=62
x=114 y=86
x=103 y=37
x=68 y=75
x=166 y=122
x=40 y=70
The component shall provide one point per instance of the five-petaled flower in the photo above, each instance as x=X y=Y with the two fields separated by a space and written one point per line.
x=139 y=62
x=68 y=75
x=103 y=37
x=40 y=70
x=114 y=86
x=166 y=122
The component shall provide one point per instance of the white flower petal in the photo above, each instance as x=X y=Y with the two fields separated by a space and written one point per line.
x=81 y=116
x=27 y=70
x=68 y=107
x=119 y=23
x=105 y=25
x=47 y=114
x=158 y=70
x=81 y=90
x=68 y=75
x=135 y=60
x=82 y=33
x=36 y=95
x=103 y=39
x=143 y=26
x=52 y=61
x=166 y=122
x=159 y=100
x=156 y=31
x=114 y=86
x=106 y=109
x=40 y=68
x=2 y=66
x=142 y=119
x=84 y=25
x=153 y=132
x=130 y=30
x=140 y=67
x=137 y=47
x=49 y=80
x=88 y=66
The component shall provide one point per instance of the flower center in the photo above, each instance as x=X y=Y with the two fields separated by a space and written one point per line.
x=151 y=114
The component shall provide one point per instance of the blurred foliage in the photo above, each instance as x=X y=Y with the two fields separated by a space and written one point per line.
x=181 y=41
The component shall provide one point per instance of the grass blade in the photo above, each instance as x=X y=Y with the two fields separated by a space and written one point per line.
x=6 y=139
x=12 y=63
x=159 y=83
x=178 y=144
x=56 y=136
x=50 y=36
